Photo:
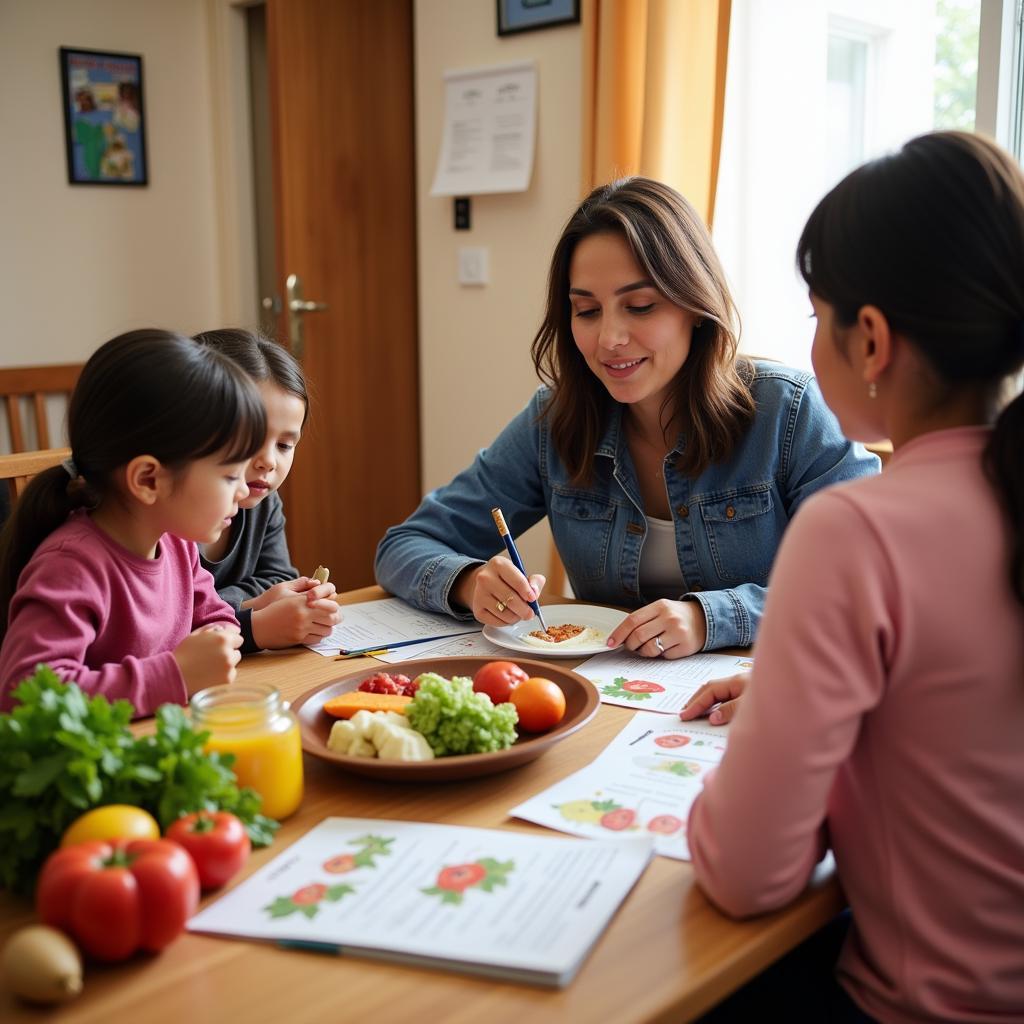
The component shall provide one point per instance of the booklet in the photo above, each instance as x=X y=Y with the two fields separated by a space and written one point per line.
x=655 y=684
x=504 y=904
x=643 y=783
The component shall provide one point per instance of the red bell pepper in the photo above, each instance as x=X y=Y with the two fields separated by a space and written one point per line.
x=114 y=898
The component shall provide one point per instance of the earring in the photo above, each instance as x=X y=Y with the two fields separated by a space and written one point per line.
x=872 y=390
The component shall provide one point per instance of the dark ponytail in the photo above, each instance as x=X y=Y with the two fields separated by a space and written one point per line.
x=934 y=237
x=147 y=392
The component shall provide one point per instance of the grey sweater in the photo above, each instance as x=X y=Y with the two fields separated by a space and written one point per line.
x=257 y=558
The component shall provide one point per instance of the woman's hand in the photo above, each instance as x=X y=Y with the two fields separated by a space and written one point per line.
x=208 y=656
x=297 y=617
x=725 y=693
x=671 y=629
x=497 y=593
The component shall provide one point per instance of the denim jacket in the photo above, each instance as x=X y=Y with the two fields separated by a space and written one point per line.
x=728 y=521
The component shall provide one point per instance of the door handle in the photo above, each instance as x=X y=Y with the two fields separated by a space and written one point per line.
x=297 y=306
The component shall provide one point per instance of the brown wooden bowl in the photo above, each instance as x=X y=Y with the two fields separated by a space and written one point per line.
x=581 y=704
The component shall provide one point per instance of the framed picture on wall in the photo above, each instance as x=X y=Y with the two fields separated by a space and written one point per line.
x=525 y=15
x=104 y=121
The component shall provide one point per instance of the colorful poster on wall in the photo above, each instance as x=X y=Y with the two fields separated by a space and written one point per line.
x=104 y=124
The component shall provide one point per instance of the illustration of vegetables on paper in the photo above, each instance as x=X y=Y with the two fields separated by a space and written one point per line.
x=307 y=900
x=483 y=874
x=635 y=689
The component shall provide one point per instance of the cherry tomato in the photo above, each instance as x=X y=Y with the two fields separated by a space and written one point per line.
x=216 y=841
x=498 y=679
x=112 y=821
x=540 y=703
x=114 y=898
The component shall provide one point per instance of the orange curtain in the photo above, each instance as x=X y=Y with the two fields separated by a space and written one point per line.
x=654 y=92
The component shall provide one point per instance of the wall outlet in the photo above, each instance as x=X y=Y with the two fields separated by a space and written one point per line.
x=473 y=265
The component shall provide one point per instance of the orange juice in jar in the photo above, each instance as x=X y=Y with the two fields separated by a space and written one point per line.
x=253 y=723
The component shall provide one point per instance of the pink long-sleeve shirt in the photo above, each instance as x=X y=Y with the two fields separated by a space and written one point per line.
x=886 y=716
x=107 y=619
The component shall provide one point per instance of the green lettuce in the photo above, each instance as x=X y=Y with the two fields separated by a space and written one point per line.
x=455 y=720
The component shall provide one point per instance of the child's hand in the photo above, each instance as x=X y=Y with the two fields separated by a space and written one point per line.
x=296 y=618
x=288 y=588
x=208 y=657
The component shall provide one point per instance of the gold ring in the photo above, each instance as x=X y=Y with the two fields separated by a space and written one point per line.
x=500 y=606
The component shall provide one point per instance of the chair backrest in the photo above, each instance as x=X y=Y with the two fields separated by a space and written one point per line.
x=28 y=386
x=16 y=470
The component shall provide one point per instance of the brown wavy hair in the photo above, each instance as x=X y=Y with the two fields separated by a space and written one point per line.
x=669 y=241
x=934 y=237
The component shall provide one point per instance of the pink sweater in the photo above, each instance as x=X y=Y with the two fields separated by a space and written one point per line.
x=887 y=706
x=107 y=619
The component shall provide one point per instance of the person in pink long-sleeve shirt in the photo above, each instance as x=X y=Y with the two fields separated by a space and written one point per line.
x=99 y=567
x=884 y=717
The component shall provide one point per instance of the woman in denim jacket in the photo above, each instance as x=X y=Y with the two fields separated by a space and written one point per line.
x=667 y=467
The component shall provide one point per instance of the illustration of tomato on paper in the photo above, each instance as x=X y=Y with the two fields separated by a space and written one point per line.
x=307 y=900
x=672 y=739
x=369 y=847
x=665 y=824
x=618 y=820
x=484 y=874
x=635 y=689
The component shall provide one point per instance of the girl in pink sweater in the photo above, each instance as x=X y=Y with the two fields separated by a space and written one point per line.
x=99 y=569
x=884 y=717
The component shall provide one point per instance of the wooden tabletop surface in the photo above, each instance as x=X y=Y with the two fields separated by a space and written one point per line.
x=668 y=955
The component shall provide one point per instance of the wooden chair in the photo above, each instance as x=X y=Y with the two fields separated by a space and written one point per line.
x=29 y=386
x=16 y=470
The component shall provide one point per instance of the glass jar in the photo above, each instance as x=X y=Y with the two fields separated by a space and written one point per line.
x=251 y=721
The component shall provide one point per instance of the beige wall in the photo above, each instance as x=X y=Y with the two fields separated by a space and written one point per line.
x=81 y=263
x=475 y=367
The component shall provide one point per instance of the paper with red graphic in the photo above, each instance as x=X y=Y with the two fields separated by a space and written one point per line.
x=506 y=904
x=643 y=783
x=657 y=684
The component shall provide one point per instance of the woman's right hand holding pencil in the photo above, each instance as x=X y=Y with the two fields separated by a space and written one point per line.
x=497 y=593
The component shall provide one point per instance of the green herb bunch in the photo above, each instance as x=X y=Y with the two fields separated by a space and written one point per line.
x=63 y=753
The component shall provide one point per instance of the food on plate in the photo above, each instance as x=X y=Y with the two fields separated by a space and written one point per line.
x=388 y=682
x=114 y=898
x=382 y=734
x=345 y=705
x=217 y=843
x=566 y=634
x=322 y=574
x=455 y=720
x=41 y=964
x=497 y=679
x=113 y=821
x=540 y=704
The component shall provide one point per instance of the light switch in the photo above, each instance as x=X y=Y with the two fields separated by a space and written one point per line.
x=472 y=265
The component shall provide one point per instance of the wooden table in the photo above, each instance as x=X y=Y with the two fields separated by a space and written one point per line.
x=668 y=955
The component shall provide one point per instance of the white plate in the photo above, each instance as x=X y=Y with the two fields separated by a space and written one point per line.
x=603 y=619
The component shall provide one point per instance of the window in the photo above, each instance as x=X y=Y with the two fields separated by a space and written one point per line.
x=814 y=88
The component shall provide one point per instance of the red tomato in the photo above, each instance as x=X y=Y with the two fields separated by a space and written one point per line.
x=216 y=841
x=619 y=819
x=498 y=679
x=540 y=703
x=672 y=739
x=665 y=824
x=114 y=898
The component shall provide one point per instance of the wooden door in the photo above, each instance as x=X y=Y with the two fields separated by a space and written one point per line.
x=341 y=97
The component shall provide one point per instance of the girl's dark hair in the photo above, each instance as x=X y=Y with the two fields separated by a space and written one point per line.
x=148 y=392
x=261 y=358
x=934 y=237
x=670 y=242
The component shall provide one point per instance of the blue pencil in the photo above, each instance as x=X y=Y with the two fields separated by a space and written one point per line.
x=384 y=647
x=510 y=544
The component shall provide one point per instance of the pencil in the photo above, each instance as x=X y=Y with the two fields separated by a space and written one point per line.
x=384 y=648
x=510 y=544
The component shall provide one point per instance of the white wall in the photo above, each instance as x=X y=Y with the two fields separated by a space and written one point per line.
x=81 y=263
x=475 y=368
